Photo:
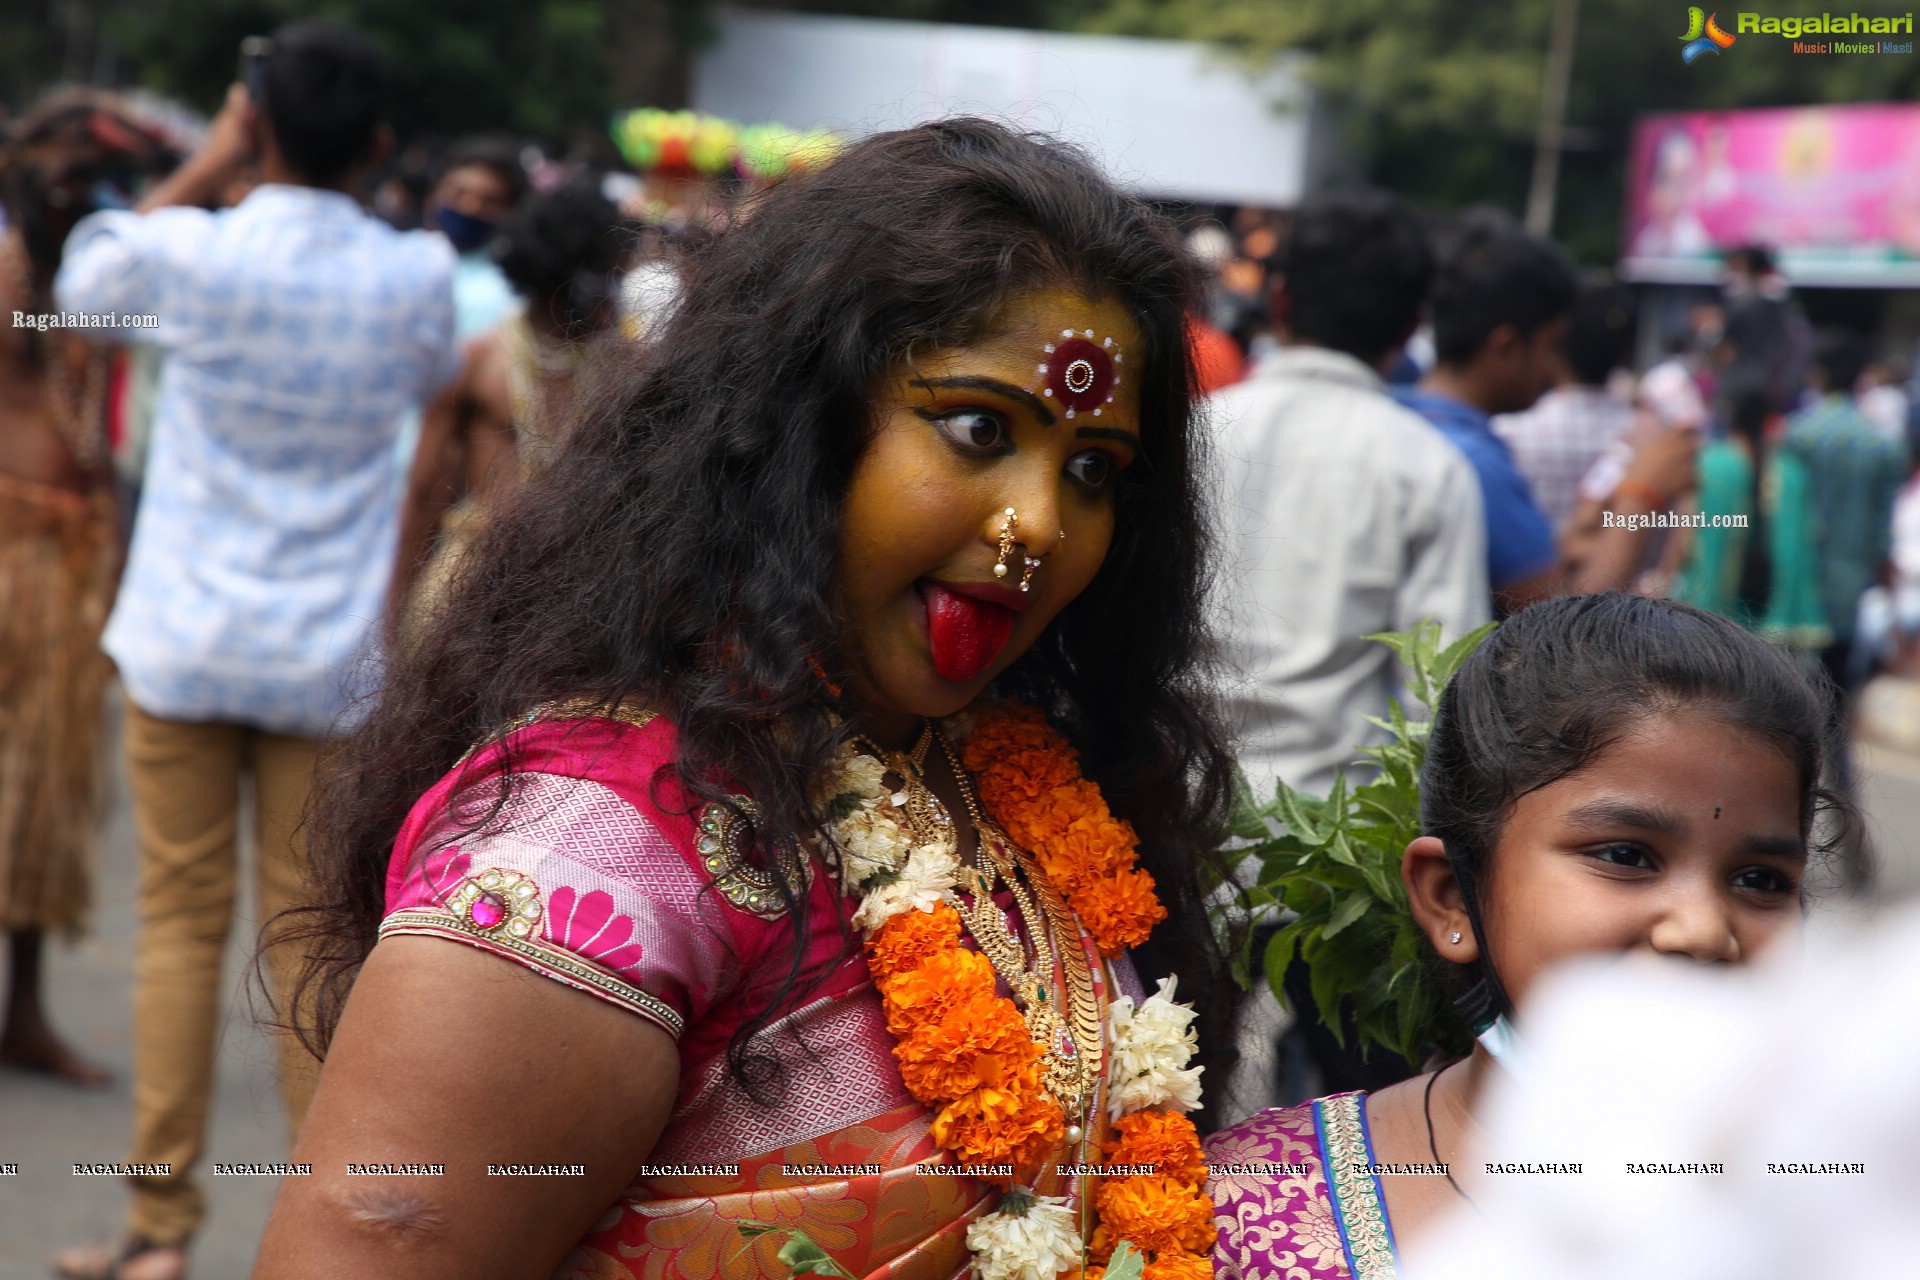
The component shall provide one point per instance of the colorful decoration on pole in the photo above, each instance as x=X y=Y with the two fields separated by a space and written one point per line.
x=687 y=144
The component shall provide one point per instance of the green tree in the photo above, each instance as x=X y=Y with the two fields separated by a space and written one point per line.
x=1441 y=97
x=551 y=69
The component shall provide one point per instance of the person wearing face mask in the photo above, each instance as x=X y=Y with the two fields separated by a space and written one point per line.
x=1607 y=774
x=1501 y=306
x=59 y=552
x=504 y=415
x=481 y=183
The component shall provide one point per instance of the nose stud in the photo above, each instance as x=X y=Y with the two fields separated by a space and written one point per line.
x=1007 y=526
x=1454 y=937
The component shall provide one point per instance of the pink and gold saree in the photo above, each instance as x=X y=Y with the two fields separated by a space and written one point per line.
x=596 y=874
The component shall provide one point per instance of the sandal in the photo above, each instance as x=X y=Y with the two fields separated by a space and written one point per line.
x=126 y=1257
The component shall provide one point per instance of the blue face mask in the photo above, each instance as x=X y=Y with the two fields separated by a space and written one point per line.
x=106 y=195
x=1500 y=1041
x=467 y=232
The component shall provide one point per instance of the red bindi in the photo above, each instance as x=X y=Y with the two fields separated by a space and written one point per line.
x=1081 y=373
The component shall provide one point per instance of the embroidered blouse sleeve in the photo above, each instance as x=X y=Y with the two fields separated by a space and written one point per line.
x=573 y=881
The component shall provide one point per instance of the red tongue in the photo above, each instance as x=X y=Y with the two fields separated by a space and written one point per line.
x=967 y=634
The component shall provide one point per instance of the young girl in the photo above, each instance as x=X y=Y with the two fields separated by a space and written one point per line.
x=1606 y=774
x=725 y=842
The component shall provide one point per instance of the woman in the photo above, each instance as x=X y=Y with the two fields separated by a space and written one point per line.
x=1764 y=575
x=705 y=734
x=1606 y=774
x=59 y=551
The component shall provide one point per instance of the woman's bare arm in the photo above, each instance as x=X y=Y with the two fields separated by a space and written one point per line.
x=434 y=484
x=452 y=1056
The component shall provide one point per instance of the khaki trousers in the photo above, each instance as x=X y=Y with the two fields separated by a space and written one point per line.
x=185 y=779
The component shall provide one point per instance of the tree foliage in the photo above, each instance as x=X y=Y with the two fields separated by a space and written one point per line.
x=540 y=68
x=1441 y=97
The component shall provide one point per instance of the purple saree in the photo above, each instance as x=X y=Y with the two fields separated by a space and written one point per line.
x=1295 y=1197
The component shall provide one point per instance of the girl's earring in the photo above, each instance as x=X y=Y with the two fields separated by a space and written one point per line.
x=1454 y=937
x=1007 y=527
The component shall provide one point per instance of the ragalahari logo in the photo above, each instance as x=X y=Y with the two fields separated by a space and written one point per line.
x=1703 y=34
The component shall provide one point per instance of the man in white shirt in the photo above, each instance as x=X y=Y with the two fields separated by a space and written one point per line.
x=1345 y=513
x=298 y=330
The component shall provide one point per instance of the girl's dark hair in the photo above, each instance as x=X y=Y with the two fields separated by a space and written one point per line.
x=681 y=554
x=1558 y=683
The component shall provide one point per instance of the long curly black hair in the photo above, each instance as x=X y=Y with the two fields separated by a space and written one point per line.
x=681 y=553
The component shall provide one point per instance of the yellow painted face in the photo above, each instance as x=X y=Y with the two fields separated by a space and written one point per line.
x=1039 y=415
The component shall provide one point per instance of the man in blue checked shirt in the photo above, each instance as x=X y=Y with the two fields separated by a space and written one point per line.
x=298 y=332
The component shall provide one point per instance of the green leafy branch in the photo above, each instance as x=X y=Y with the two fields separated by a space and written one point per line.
x=1334 y=868
x=801 y=1255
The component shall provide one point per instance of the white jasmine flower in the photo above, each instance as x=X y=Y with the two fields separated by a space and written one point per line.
x=920 y=885
x=853 y=775
x=863 y=776
x=1152 y=1045
x=960 y=725
x=872 y=842
x=1029 y=1238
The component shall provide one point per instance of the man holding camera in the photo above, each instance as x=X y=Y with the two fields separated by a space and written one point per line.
x=298 y=330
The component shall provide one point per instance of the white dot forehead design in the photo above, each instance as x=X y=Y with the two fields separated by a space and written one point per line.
x=1082 y=375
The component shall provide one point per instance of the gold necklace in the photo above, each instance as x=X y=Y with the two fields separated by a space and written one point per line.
x=1073 y=1043
x=1070 y=1046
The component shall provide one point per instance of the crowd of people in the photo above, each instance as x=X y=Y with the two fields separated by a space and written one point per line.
x=744 y=738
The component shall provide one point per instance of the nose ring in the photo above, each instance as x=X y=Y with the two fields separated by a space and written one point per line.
x=1010 y=521
x=1007 y=526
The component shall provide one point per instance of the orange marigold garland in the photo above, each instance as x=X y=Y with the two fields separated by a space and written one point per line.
x=1029 y=781
x=964 y=1050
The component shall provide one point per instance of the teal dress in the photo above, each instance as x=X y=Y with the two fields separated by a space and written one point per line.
x=1794 y=615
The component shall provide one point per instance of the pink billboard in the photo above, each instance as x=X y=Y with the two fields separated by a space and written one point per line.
x=1836 y=190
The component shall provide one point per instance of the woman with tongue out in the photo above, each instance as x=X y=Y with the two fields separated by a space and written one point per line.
x=775 y=829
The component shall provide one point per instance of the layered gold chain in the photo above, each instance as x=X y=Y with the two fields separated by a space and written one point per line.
x=1070 y=1043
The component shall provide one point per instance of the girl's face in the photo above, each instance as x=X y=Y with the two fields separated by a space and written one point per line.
x=1682 y=839
x=1041 y=415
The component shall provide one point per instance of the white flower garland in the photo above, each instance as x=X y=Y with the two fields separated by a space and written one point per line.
x=1151 y=1047
x=1027 y=1237
x=871 y=852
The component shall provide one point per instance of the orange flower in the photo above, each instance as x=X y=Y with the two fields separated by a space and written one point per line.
x=1179 y=1266
x=1119 y=911
x=976 y=1044
x=1166 y=1140
x=927 y=993
x=1101 y=1244
x=909 y=938
x=1028 y=777
x=1158 y=1214
x=996 y=1125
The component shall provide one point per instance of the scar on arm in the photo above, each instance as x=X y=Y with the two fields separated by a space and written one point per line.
x=392 y=1213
